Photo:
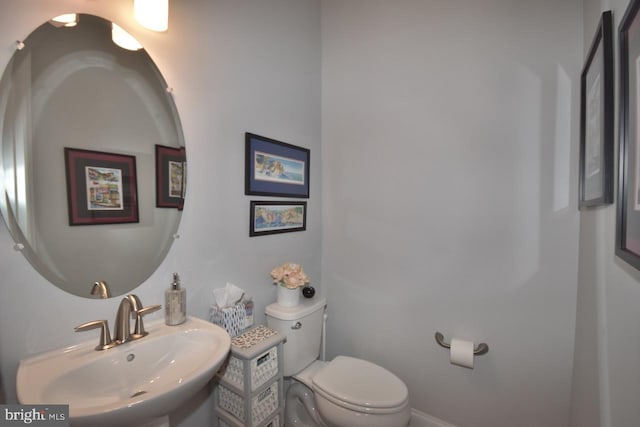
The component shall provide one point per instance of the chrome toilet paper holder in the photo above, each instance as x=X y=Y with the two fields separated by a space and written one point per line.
x=481 y=348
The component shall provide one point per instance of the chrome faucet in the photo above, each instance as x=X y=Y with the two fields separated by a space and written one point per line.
x=130 y=306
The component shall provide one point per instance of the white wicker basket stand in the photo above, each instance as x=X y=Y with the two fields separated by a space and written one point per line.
x=249 y=389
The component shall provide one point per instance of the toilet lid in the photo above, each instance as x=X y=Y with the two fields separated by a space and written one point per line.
x=360 y=385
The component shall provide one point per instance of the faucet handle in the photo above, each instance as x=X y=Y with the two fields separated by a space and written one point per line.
x=148 y=310
x=105 y=335
x=139 y=331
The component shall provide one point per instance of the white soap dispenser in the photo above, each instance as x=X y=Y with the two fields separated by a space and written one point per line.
x=175 y=303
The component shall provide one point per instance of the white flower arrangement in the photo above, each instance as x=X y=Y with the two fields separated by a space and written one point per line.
x=290 y=276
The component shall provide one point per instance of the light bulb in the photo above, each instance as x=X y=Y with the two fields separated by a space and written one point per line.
x=124 y=39
x=152 y=14
x=65 y=20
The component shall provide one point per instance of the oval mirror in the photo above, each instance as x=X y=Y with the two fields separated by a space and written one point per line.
x=92 y=158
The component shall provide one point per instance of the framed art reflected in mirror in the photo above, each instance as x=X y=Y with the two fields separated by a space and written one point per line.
x=171 y=177
x=101 y=187
x=596 y=119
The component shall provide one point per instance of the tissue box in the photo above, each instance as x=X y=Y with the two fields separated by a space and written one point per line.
x=233 y=319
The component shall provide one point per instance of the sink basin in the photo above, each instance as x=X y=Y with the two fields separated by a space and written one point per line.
x=130 y=383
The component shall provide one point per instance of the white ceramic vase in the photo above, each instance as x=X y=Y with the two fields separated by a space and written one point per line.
x=288 y=297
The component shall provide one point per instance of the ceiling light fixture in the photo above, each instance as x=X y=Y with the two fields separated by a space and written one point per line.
x=152 y=14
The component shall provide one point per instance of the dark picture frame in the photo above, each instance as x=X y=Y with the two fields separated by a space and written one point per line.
x=101 y=187
x=171 y=176
x=275 y=168
x=628 y=203
x=273 y=217
x=596 y=119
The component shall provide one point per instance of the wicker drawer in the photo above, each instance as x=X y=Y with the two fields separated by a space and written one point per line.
x=260 y=407
x=262 y=369
x=273 y=422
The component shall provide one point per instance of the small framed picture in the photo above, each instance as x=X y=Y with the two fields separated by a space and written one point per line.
x=269 y=217
x=171 y=176
x=101 y=187
x=274 y=168
x=628 y=201
x=596 y=119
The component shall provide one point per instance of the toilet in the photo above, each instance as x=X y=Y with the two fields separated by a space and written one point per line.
x=345 y=392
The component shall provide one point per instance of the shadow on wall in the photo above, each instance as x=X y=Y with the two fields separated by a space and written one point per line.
x=3 y=395
x=3 y=399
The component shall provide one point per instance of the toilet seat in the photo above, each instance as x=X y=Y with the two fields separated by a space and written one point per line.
x=361 y=386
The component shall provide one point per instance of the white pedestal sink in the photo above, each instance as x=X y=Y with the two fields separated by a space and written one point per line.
x=129 y=384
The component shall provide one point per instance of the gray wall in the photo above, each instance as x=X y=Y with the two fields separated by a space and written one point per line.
x=235 y=67
x=450 y=140
x=606 y=379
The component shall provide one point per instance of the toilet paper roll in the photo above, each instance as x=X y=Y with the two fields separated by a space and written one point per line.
x=461 y=353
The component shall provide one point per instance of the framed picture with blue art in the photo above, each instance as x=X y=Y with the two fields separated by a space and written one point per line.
x=275 y=168
x=272 y=217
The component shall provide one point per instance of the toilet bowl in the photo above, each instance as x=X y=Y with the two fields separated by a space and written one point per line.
x=345 y=392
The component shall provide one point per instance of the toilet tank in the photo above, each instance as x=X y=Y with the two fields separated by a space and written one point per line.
x=302 y=325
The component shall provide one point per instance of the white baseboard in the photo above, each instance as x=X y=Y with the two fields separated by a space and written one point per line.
x=420 y=419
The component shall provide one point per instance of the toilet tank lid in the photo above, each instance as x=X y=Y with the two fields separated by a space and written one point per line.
x=306 y=307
